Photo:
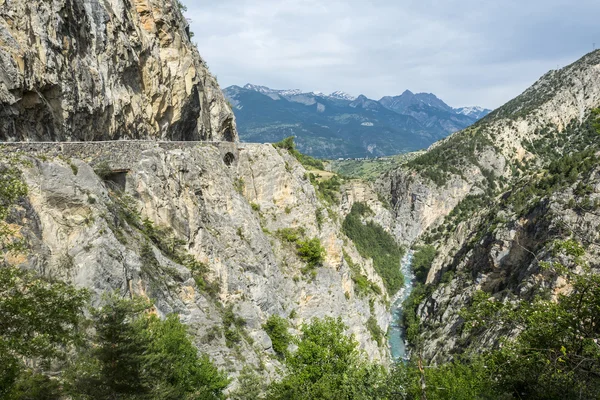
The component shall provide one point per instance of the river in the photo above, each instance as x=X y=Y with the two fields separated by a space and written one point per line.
x=397 y=333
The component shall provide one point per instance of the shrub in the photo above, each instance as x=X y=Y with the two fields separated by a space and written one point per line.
x=376 y=332
x=103 y=169
x=308 y=161
x=311 y=251
x=327 y=365
x=277 y=329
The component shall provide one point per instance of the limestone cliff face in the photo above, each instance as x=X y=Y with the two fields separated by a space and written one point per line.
x=492 y=146
x=507 y=221
x=505 y=260
x=105 y=70
x=91 y=232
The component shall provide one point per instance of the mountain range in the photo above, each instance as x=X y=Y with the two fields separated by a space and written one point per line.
x=341 y=125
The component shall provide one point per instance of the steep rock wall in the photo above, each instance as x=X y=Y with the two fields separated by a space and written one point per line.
x=96 y=234
x=504 y=138
x=105 y=70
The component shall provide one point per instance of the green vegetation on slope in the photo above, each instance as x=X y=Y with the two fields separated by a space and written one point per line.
x=309 y=250
x=327 y=365
x=136 y=355
x=127 y=353
x=556 y=355
x=308 y=161
x=277 y=329
x=372 y=241
x=327 y=189
x=449 y=156
x=421 y=263
x=370 y=169
x=362 y=285
x=38 y=320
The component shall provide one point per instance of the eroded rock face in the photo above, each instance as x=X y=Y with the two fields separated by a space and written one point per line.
x=494 y=246
x=105 y=70
x=83 y=229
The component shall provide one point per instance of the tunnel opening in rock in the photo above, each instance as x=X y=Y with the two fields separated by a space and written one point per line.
x=228 y=135
x=229 y=159
x=117 y=179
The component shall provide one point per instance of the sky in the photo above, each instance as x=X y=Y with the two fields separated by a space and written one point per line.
x=469 y=52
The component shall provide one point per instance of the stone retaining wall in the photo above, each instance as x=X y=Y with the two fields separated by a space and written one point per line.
x=119 y=154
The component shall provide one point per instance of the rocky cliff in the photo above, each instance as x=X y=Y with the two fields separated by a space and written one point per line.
x=198 y=236
x=495 y=199
x=105 y=70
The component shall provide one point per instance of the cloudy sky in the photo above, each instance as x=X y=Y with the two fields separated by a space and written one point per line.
x=467 y=52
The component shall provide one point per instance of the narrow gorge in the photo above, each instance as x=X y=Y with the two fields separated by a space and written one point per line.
x=123 y=180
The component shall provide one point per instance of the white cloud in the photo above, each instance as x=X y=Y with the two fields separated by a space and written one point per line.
x=467 y=52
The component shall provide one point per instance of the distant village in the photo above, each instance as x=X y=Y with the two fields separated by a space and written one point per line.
x=365 y=159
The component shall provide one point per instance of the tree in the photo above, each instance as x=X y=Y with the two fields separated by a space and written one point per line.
x=457 y=380
x=311 y=251
x=277 y=329
x=250 y=386
x=328 y=365
x=38 y=321
x=175 y=371
x=556 y=355
x=421 y=262
x=113 y=366
x=287 y=144
x=135 y=355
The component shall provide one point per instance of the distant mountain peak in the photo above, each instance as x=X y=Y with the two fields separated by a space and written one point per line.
x=267 y=90
x=473 y=111
x=342 y=96
x=337 y=95
x=342 y=125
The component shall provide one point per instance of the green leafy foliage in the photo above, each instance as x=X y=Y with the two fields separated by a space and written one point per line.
x=362 y=284
x=561 y=173
x=233 y=327
x=103 y=170
x=457 y=380
x=290 y=235
x=445 y=160
x=12 y=188
x=239 y=185
x=38 y=320
x=555 y=355
x=410 y=319
x=327 y=365
x=372 y=241
x=277 y=329
x=310 y=250
x=136 y=355
x=182 y=7
x=308 y=161
x=250 y=386
x=377 y=334
x=421 y=262
x=327 y=189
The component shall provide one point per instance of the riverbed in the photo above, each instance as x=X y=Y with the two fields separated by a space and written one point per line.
x=397 y=334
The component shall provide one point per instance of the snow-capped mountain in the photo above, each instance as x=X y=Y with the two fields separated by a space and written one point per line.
x=287 y=93
x=266 y=90
x=341 y=125
x=342 y=96
x=473 y=111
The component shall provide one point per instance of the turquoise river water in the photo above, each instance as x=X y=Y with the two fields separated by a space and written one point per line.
x=397 y=334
